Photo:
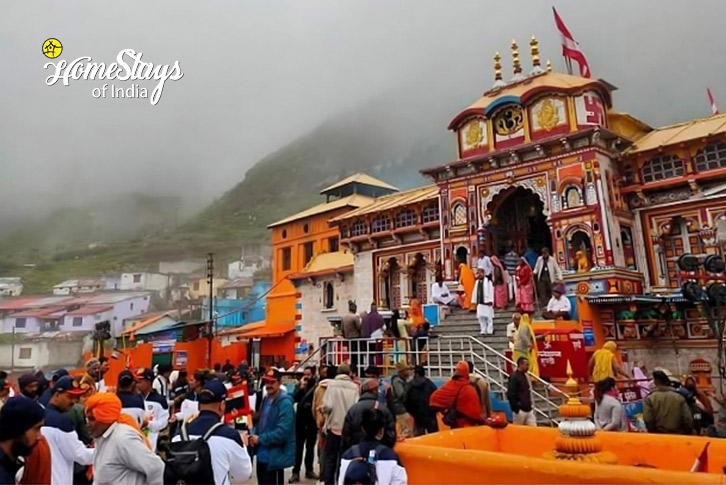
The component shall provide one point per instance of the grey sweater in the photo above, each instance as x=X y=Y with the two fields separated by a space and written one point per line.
x=609 y=415
x=122 y=457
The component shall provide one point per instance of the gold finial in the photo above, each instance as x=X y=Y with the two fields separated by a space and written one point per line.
x=549 y=65
x=515 y=58
x=534 y=50
x=497 y=67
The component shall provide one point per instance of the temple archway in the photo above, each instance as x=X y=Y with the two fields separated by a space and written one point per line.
x=518 y=217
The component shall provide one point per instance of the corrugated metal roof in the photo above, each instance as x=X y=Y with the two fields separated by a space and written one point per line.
x=678 y=133
x=355 y=200
x=324 y=262
x=430 y=192
x=359 y=178
x=90 y=310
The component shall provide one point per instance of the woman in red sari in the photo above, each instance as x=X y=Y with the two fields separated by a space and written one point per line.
x=525 y=287
x=500 y=279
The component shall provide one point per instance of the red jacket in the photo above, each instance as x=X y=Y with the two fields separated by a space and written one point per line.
x=460 y=391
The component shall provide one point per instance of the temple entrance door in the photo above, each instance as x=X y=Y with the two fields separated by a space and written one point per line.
x=518 y=218
x=391 y=284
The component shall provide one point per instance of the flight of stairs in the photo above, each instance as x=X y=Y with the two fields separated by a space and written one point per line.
x=464 y=323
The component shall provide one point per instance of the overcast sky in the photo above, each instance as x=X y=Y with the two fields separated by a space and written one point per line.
x=257 y=74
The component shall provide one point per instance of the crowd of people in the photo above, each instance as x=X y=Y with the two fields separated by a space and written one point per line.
x=528 y=280
x=165 y=426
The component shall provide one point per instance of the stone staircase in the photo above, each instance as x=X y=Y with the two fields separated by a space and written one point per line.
x=461 y=323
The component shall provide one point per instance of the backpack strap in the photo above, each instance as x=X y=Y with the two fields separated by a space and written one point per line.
x=211 y=430
x=184 y=434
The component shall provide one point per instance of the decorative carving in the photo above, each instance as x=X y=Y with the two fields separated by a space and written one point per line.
x=590 y=195
x=509 y=120
x=708 y=235
x=538 y=185
x=547 y=116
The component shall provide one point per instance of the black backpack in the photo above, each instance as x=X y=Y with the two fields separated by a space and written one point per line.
x=360 y=471
x=190 y=461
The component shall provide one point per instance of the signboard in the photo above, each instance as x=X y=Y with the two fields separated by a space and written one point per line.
x=556 y=348
x=588 y=332
x=431 y=314
x=237 y=403
x=163 y=346
x=180 y=358
x=632 y=399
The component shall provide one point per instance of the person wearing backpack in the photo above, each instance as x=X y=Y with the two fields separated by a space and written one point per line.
x=274 y=435
x=370 y=462
x=370 y=398
x=206 y=450
x=458 y=400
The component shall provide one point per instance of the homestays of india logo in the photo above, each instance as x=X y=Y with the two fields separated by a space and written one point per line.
x=128 y=67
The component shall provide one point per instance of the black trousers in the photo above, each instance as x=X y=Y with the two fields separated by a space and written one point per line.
x=269 y=477
x=306 y=434
x=333 y=444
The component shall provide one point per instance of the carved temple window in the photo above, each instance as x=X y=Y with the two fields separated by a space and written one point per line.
x=358 y=228
x=663 y=167
x=406 y=218
x=711 y=157
x=579 y=251
x=381 y=223
x=458 y=215
x=430 y=213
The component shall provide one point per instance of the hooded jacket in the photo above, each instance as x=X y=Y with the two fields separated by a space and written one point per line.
x=417 y=400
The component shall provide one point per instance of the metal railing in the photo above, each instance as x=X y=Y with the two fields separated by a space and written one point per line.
x=438 y=356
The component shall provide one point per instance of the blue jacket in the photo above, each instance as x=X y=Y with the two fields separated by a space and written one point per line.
x=279 y=433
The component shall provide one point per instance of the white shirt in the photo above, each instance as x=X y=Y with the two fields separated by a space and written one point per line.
x=440 y=292
x=484 y=310
x=65 y=448
x=559 y=305
x=485 y=263
x=511 y=330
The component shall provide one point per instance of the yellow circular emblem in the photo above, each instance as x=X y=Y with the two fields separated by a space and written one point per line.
x=52 y=48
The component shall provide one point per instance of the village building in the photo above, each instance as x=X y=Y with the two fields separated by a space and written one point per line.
x=326 y=287
x=84 y=285
x=143 y=281
x=11 y=286
x=49 y=350
x=296 y=240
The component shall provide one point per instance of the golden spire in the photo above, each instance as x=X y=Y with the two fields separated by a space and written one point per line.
x=515 y=58
x=534 y=50
x=549 y=65
x=497 y=67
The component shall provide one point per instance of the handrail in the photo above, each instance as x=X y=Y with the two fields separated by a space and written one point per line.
x=546 y=384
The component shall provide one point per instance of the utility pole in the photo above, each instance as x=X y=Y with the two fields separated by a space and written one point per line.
x=211 y=330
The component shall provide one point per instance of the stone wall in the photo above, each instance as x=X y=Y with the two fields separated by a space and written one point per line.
x=314 y=316
x=364 y=279
x=666 y=356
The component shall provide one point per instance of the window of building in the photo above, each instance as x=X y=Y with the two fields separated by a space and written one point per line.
x=406 y=217
x=78 y=321
x=137 y=278
x=131 y=306
x=19 y=323
x=286 y=259
x=344 y=231
x=711 y=157
x=329 y=297
x=25 y=352
x=333 y=244
x=458 y=215
x=196 y=286
x=358 y=229
x=308 y=252
x=306 y=228
x=284 y=233
x=662 y=168
x=430 y=213
x=381 y=223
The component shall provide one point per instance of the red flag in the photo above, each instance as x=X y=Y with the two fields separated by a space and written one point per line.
x=701 y=463
x=570 y=49
x=711 y=101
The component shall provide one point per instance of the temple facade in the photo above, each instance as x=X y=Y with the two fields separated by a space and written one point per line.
x=545 y=160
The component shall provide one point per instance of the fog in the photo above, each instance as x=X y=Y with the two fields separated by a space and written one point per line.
x=258 y=74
